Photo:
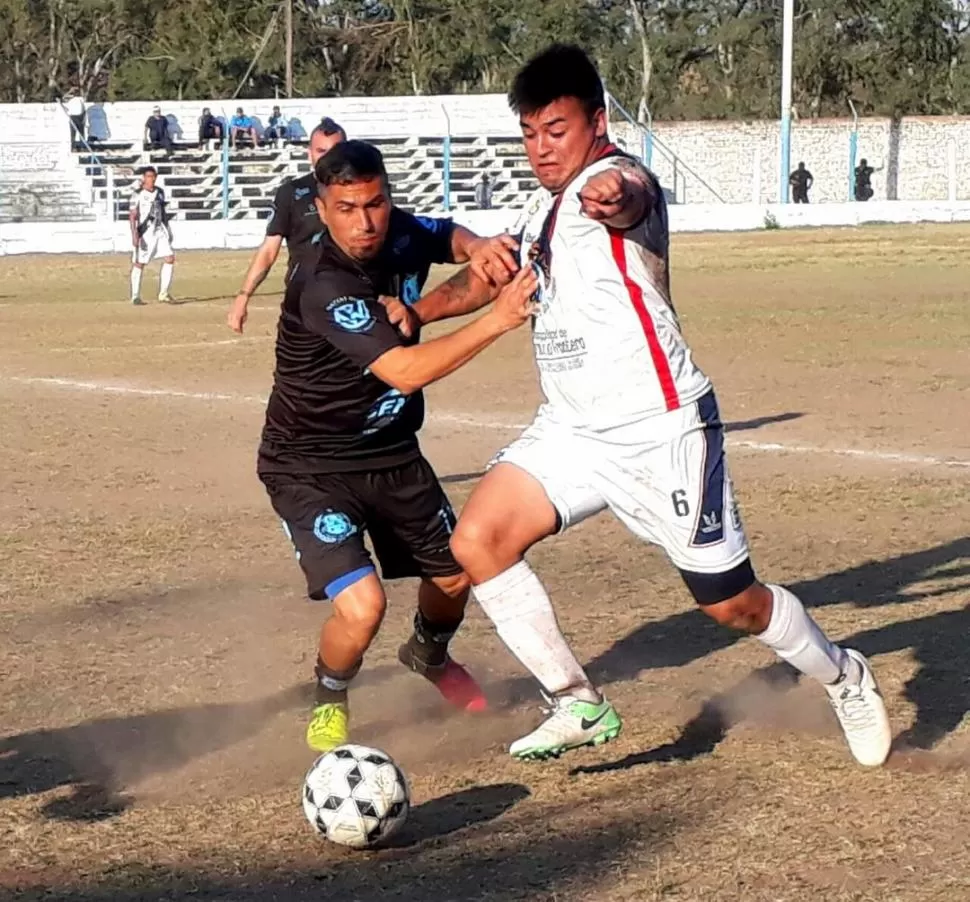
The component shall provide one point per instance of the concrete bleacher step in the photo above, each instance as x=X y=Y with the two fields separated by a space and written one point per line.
x=193 y=177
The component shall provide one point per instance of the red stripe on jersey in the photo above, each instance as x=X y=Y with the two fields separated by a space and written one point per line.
x=660 y=362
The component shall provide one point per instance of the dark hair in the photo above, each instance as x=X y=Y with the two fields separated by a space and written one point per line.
x=150 y=169
x=328 y=127
x=561 y=70
x=348 y=162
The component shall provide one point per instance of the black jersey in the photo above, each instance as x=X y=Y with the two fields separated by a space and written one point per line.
x=327 y=412
x=295 y=217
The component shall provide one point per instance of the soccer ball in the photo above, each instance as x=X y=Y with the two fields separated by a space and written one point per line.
x=356 y=796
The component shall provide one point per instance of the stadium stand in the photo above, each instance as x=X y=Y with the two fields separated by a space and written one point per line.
x=193 y=178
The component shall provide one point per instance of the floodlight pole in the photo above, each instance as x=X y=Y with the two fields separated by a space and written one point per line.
x=788 y=23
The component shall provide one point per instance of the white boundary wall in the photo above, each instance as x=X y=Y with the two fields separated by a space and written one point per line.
x=114 y=237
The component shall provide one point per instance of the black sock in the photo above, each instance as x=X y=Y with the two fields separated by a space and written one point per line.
x=332 y=684
x=429 y=641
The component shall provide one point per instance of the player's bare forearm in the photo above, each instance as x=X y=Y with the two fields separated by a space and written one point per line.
x=262 y=263
x=411 y=369
x=461 y=294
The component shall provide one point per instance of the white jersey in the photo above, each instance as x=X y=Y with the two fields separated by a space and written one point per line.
x=607 y=341
x=150 y=207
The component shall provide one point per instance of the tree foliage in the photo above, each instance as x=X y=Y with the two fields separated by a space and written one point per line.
x=676 y=58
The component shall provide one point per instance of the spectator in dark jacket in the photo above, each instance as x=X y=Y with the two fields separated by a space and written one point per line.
x=210 y=128
x=156 y=131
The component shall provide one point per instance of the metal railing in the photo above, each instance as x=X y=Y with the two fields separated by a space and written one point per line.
x=651 y=142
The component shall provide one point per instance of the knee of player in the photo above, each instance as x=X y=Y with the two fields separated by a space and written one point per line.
x=749 y=611
x=473 y=540
x=361 y=604
x=170 y=259
x=455 y=586
x=733 y=598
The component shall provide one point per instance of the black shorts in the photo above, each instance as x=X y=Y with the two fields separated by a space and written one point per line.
x=326 y=515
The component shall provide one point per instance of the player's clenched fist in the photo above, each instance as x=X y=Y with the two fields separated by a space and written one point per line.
x=604 y=195
x=516 y=302
x=401 y=315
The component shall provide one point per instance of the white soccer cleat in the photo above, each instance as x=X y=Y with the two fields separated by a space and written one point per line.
x=572 y=724
x=862 y=714
x=165 y=298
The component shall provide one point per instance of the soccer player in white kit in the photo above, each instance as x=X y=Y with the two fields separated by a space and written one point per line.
x=629 y=424
x=151 y=235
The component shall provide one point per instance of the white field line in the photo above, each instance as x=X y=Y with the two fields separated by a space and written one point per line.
x=163 y=347
x=485 y=422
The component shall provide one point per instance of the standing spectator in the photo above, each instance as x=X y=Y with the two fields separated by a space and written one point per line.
x=863 y=180
x=76 y=111
x=483 y=193
x=244 y=125
x=156 y=131
x=210 y=128
x=277 y=130
x=800 y=180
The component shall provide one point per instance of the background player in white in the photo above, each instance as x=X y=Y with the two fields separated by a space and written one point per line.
x=151 y=235
x=630 y=424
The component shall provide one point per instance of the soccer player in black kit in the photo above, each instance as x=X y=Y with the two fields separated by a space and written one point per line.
x=339 y=454
x=294 y=219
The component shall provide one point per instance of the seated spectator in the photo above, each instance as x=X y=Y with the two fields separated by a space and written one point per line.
x=210 y=128
x=244 y=125
x=156 y=131
x=277 y=130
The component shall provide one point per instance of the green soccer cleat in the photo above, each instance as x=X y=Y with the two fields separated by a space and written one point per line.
x=328 y=727
x=572 y=724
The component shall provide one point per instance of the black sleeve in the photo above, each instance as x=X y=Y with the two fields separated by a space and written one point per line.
x=279 y=222
x=344 y=309
x=432 y=234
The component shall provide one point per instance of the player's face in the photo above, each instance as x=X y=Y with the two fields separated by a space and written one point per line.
x=561 y=140
x=148 y=181
x=357 y=216
x=320 y=144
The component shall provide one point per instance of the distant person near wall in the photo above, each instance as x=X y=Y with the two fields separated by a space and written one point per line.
x=863 y=180
x=483 y=193
x=800 y=180
x=210 y=128
x=157 y=135
x=74 y=104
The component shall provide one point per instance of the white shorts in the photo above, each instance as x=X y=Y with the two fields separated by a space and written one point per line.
x=154 y=243
x=665 y=478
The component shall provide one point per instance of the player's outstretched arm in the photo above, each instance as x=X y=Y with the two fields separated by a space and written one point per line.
x=409 y=369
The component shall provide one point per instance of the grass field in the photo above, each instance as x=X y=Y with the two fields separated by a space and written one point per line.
x=155 y=645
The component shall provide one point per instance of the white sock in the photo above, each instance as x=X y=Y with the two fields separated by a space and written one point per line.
x=165 y=279
x=797 y=639
x=135 y=282
x=518 y=605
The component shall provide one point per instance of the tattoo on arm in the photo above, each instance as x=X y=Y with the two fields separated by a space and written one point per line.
x=460 y=294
